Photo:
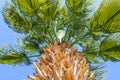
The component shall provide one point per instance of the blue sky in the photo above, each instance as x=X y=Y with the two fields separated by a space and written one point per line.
x=7 y=72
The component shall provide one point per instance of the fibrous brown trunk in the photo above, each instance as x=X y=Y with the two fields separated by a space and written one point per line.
x=61 y=62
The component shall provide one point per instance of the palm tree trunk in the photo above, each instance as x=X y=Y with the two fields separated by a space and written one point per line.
x=61 y=62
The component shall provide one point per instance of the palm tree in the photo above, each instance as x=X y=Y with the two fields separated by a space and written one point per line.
x=45 y=21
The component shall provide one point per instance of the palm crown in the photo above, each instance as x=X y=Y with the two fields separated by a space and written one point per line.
x=44 y=21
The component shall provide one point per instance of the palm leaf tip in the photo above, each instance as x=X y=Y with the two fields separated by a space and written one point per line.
x=61 y=62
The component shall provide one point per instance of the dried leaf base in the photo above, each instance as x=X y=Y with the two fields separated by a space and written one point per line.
x=61 y=62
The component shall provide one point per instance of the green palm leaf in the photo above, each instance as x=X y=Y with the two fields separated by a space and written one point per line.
x=17 y=22
x=107 y=17
x=74 y=4
x=77 y=6
x=110 y=48
x=92 y=57
x=14 y=58
x=49 y=9
x=28 y=6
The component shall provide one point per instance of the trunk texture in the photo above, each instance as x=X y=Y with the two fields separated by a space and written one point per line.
x=61 y=62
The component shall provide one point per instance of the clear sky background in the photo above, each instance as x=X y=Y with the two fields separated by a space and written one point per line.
x=7 y=72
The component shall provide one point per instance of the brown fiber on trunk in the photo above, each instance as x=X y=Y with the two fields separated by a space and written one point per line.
x=61 y=62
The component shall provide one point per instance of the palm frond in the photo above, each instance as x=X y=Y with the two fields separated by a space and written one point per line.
x=107 y=17
x=29 y=7
x=110 y=47
x=15 y=20
x=13 y=58
x=91 y=57
x=78 y=6
x=49 y=9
